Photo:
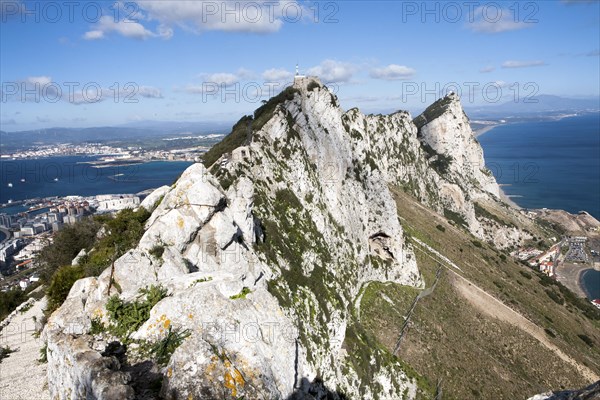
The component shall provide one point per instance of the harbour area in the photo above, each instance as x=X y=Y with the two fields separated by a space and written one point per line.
x=25 y=233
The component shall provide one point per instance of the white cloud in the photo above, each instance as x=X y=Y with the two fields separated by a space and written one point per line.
x=212 y=83
x=198 y=16
x=501 y=84
x=483 y=26
x=195 y=89
x=487 y=69
x=221 y=78
x=149 y=92
x=164 y=32
x=331 y=71
x=135 y=118
x=276 y=75
x=392 y=72
x=126 y=27
x=244 y=73
x=43 y=89
x=227 y=15
x=487 y=19
x=522 y=64
x=93 y=35
x=39 y=80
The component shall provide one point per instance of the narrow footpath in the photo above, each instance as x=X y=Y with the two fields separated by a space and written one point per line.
x=22 y=376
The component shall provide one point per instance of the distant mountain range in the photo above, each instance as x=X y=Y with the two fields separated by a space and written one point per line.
x=131 y=132
x=179 y=126
x=536 y=105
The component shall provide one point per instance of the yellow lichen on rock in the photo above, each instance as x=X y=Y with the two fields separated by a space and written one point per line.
x=233 y=378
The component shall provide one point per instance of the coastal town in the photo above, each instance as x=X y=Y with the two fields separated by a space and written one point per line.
x=27 y=225
x=26 y=233
x=566 y=260
x=107 y=154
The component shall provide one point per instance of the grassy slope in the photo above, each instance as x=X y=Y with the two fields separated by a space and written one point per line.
x=472 y=354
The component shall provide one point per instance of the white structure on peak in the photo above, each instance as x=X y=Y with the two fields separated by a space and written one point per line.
x=303 y=81
x=298 y=76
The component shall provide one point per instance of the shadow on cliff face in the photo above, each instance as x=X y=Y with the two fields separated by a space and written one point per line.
x=591 y=392
x=315 y=390
x=146 y=380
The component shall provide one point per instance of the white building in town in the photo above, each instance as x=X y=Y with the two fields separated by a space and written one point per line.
x=117 y=202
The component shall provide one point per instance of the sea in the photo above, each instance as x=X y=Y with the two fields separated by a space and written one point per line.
x=590 y=278
x=23 y=179
x=552 y=164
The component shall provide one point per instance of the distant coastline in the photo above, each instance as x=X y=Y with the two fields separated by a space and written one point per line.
x=527 y=159
x=507 y=199
x=504 y=152
x=94 y=163
x=485 y=129
x=24 y=179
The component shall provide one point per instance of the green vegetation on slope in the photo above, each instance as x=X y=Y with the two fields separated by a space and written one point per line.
x=240 y=136
x=121 y=233
x=61 y=283
x=432 y=112
x=128 y=317
x=10 y=300
x=314 y=293
x=289 y=234
x=242 y=132
x=480 y=211
x=441 y=162
x=266 y=111
x=66 y=244
x=473 y=355
x=455 y=217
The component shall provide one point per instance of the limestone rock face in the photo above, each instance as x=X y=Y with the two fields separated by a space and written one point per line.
x=445 y=127
x=264 y=256
x=154 y=197
x=77 y=372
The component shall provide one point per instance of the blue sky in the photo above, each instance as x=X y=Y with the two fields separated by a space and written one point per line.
x=97 y=63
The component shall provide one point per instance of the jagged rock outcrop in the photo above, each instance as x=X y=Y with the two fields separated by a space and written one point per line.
x=153 y=198
x=444 y=128
x=591 y=392
x=264 y=255
x=78 y=372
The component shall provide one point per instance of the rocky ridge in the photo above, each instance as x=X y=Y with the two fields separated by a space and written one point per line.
x=265 y=253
